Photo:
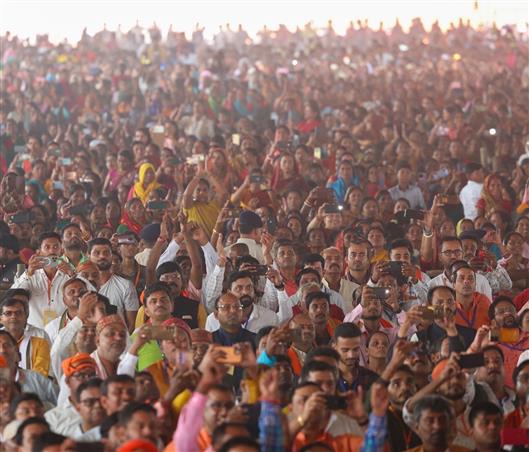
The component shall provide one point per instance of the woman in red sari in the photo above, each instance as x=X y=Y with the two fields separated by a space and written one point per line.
x=133 y=216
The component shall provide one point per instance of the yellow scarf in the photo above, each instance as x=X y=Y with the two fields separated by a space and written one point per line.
x=139 y=191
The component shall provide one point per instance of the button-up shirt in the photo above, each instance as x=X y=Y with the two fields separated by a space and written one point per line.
x=63 y=419
x=45 y=302
x=259 y=317
x=413 y=194
x=469 y=197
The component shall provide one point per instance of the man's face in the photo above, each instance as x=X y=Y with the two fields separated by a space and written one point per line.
x=465 y=283
x=85 y=340
x=522 y=382
x=505 y=315
x=371 y=305
x=158 y=306
x=142 y=425
x=51 y=247
x=470 y=248
x=5 y=255
x=92 y=274
x=319 y=311
x=433 y=429
x=333 y=262
x=119 y=395
x=286 y=257
x=89 y=406
x=486 y=430
x=218 y=405
x=8 y=350
x=326 y=380
x=450 y=252
x=75 y=380
x=358 y=257
x=27 y=409
x=401 y=388
x=306 y=329
x=72 y=238
x=229 y=312
x=112 y=341
x=101 y=255
x=401 y=254
x=300 y=397
x=30 y=434
x=492 y=372
x=174 y=280
x=444 y=300
x=455 y=387
x=199 y=349
x=243 y=286
x=14 y=318
x=128 y=250
x=73 y=293
x=349 y=350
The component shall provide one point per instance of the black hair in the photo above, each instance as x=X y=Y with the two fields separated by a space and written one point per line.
x=305 y=384
x=318 y=445
x=264 y=331
x=307 y=271
x=8 y=302
x=239 y=441
x=234 y=276
x=432 y=291
x=312 y=259
x=23 y=397
x=19 y=436
x=346 y=330
x=496 y=302
x=158 y=286
x=518 y=369
x=68 y=226
x=47 y=439
x=92 y=383
x=404 y=368
x=10 y=337
x=401 y=243
x=449 y=238
x=317 y=366
x=126 y=413
x=98 y=241
x=108 y=423
x=12 y=293
x=483 y=407
x=496 y=349
x=121 y=378
x=220 y=430
x=49 y=235
x=322 y=351
x=316 y=296
x=433 y=402
x=168 y=267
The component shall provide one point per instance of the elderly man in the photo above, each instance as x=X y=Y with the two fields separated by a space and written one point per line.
x=64 y=418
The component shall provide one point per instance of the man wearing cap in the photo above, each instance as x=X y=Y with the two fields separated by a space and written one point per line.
x=77 y=369
x=471 y=192
x=120 y=291
x=9 y=261
x=250 y=229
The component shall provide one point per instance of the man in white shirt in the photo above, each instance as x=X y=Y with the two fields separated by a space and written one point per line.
x=250 y=229
x=120 y=291
x=471 y=192
x=44 y=279
x=255 y=316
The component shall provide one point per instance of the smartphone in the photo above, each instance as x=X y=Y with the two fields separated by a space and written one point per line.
x=427 y=313
x=49 y=261
x=233 y=355
x=21 y=217
x=257 y=179
x=236 y=139
x=159 y=129
x=395 y=269
x=261 y=270
x=471 y=361
x=515 y=436
x=184 y=359
x=413 y=214
x=333 y=208
x=81 y=209
x=162 y=332
x=20 y=149
x=195 y=159
x=335 y=402
x=58 y=185
x=66 y=161
x=157 y=205
x=284 y=145
x=380 y=292
x=271 y=225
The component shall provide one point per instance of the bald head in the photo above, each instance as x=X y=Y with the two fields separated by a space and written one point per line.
x=228 y=311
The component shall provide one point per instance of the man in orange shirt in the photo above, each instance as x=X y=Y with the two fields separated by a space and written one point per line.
x=472 y=307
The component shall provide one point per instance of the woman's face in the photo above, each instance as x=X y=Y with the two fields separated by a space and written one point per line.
x=495 y=188
x=39 y=171
x=286 y=164
x=295 y=226
x=217 y=160
x=414 y=233
x=345 y=171
x=97 y=216
x=137 y=211
x=378 y=346
x=355 y=198
x=447 y=229
x=112 y=211
x=523 y=228
x=111 y=162
x=149 y=177
x=376 y=238
x=514 y=245
x=385 y=202
x=370 y=209
x=372 y=175
x=124 y=164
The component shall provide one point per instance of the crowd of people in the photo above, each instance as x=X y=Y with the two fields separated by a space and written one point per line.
x=300 y=242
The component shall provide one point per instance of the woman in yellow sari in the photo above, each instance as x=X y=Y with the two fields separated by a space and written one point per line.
x=146 y=183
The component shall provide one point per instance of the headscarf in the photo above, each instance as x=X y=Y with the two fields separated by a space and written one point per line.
x=491 y=203
x=139 y=190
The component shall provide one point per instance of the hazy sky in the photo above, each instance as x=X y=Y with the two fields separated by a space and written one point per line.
x=67 y=18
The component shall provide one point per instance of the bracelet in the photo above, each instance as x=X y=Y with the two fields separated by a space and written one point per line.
x=305 y=203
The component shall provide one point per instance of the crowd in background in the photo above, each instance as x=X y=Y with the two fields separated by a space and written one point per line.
x=300 y=241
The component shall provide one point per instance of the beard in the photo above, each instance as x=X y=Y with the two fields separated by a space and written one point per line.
x=104 y=265
x=74 y=244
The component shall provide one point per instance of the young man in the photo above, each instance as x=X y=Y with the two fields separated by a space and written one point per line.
x=91 y=412
x=486 y=423
x=250 y=229
x=404 y=189
x=332 y=276
x=318 y=304
x=139 y=421
x=303 y=337
x=471 y=192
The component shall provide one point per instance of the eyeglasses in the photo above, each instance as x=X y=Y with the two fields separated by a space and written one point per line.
x=89 y=403
x=452 y=253
x=230 y=307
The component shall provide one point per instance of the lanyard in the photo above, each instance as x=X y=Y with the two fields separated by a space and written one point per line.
x=463 y=315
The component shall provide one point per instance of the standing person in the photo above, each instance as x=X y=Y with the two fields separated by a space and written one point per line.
x=471 y=192
x=44 y=279
x=404 y=188
x=120 y=291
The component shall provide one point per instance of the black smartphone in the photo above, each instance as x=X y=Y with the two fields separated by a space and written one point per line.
x=271 y=225
x=333 y=208
x=157 y=205
x=81 y=209
x=413 y=214
x=395 y=269
x=381 y=293
x=257 y=179
x=427 y=313
x=261 y=270
x=334 y=402
x=471 y=361
x=21 y=217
